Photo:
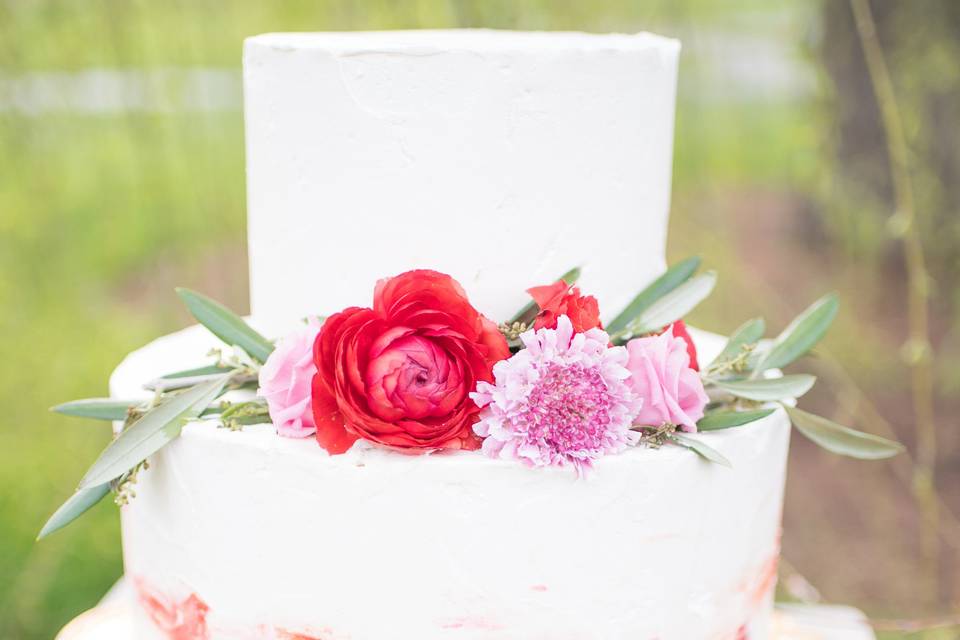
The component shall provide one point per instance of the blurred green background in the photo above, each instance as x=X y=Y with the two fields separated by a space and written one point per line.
x=122 y=176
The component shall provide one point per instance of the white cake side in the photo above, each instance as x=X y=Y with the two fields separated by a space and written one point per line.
x=264 y=537
x=501 y=158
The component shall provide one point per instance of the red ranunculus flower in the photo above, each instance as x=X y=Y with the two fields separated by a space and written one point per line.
x=560 y=299
x=679 y=330
x=400 y=374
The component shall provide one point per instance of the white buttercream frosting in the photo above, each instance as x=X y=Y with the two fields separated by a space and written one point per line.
x=274 y=534
x=501 y=158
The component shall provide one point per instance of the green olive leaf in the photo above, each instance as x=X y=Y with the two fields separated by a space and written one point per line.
x=671 y=279
x=96 y=408
x=226 y=325
x=75 y=506
x=801 y=335
x=152 y=431
x=704 y=451
x=750 y=332
x=768 y=389
x=716 y=420
x=842 y=440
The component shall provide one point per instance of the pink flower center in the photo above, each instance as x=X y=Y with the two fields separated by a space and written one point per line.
x=413 y=377
x=568 y=409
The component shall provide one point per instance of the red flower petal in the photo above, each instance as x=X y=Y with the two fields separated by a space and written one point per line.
x=331 y=434
x=549 y=296
x=560 y=299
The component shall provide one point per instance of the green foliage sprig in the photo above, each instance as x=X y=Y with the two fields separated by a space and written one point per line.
x=675 y=276
x=180 y=397
x=748 y=369
x=744 y=379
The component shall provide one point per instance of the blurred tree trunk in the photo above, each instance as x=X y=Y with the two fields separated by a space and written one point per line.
x=897 y=145
x=921 y=39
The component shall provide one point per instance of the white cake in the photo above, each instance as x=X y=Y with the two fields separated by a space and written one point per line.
x=369 y=154
x=373 y=153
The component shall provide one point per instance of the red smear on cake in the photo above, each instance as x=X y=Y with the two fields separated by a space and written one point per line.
x=741 y=633
x=766 y=580
x=325 y=634
x=761 y=582
x=309 y=632
x=471 y=623
x=759 y=585
x=178 y=619
x=757 y=588
x=539 y=587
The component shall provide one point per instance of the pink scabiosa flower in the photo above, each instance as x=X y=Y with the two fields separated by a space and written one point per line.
x=285 y=382
x=562 y=400
x=661 y=374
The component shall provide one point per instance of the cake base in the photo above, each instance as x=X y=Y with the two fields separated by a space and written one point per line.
x=114 y=619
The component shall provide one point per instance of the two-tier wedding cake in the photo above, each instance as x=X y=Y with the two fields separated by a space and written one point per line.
x=494 y=157
x=411 y=468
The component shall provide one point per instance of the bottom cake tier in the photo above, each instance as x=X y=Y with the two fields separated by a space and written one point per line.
x=236 y=535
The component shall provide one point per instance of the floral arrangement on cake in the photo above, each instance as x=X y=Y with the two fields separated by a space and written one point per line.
x=422 y=371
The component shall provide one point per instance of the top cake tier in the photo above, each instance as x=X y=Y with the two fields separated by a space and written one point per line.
x=501 y=158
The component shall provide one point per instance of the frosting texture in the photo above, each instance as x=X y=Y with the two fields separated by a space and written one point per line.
x=272 y=534
x=491 y=156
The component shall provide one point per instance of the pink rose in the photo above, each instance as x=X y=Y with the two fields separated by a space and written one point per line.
x=285 y=383
x=660 y=373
